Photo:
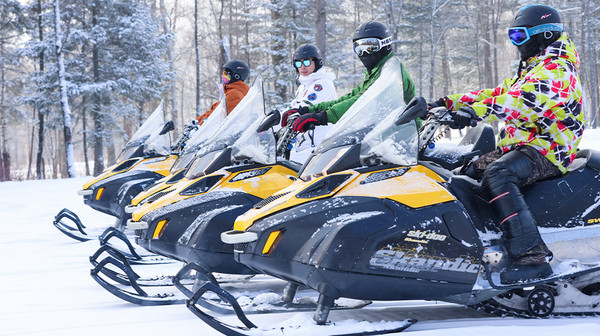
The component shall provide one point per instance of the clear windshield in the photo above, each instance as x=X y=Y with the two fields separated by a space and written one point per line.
x=209 y=127
x=370 y=122
x=148 y=136
x=238 y=132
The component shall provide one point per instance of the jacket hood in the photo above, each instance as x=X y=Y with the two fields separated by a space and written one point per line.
x=315 y=76
x=563 y=48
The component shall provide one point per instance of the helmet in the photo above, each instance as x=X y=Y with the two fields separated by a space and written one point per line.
x=238 y=70
x=372 y=29
x=372 y=41
x=534 y=28
x=307 y=51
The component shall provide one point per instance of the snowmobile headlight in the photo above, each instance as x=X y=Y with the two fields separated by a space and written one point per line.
x=272 y=241
x=99 y=193
x=324 y=186
x=160 y=228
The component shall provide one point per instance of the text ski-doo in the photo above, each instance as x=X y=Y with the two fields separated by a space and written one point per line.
x=232 y=171
x=146 y=157
x=378 y=215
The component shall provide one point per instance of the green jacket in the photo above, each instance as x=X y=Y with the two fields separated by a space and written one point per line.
x=335 y=109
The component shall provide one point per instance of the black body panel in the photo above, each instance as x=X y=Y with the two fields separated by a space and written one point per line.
x=193 y=231
x=119 y=190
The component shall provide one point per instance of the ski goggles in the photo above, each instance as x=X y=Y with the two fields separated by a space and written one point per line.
x=299 y=63
x=520 y=35
x=370 y=45
x=226 y=76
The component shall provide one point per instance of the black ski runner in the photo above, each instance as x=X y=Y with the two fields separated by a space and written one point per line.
x=250 y=328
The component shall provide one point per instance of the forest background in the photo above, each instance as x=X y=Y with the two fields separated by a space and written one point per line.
x=79 y=86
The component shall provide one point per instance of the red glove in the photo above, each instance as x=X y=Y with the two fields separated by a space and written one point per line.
x=284 y=118
x=304 y=122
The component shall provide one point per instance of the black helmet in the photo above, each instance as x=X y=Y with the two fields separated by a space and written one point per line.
x=372 y=41
x=239 y=70
x=307 y=51
x=372 y=29
x=547 y=28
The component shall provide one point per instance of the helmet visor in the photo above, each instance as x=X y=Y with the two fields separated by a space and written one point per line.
x=370 y=45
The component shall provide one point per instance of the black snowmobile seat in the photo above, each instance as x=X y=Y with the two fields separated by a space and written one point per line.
x=586 y=158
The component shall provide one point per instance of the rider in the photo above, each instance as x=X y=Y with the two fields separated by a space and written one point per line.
x=372 y=42
x=544 y=122
x=235 y=73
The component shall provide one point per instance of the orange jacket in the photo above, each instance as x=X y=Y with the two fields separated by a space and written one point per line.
x=234 y=93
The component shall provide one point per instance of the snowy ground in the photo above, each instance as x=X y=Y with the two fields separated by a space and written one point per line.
x=46 y=289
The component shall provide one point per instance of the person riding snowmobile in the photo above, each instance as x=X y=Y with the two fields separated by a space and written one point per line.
x=544 y=122
x=316 y=86
x=372 y=42
x=235 y=73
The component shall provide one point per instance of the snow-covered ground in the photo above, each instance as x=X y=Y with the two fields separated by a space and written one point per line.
x=46 y=289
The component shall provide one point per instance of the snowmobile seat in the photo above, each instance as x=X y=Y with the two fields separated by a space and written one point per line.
x=481 y=137
x=586 y=158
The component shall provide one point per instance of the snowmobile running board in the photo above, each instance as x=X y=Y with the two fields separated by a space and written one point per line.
x=76 y=232
x=248 y=327
x=536 y=282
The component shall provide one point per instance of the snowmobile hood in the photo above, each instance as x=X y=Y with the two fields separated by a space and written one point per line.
x=415 y=187
x=257 y=180
x=160 y=165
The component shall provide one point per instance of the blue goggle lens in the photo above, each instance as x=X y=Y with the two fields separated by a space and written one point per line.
x=305 y=62
x=518 y=36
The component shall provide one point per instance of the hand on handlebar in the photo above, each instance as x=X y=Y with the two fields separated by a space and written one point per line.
x=465 y=116
x=287 y=114
x=309 y=121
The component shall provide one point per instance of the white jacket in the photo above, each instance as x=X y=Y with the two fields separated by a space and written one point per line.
x=314 y=88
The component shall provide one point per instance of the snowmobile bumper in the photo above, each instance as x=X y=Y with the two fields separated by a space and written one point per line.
x=85 y=192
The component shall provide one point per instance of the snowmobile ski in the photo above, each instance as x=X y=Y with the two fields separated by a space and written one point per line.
x=131 y=253
x=250 y=328
x=75 y=230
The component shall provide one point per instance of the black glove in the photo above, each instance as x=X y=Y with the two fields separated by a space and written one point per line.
x=304 y=122
x=465 y=116
x=284 y=118
x=438 y=103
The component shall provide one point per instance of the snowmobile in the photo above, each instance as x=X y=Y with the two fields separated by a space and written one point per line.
x=381 y=212
x=232 y=171
x=146 y=157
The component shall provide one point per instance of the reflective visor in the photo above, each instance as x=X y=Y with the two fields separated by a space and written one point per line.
x=520 y=35
x=299 y=63
x=370 y=45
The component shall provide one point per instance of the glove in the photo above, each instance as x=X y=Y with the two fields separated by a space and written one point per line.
x=438 y=103
x=304 y=122
x=465 y=116
x=284 y=118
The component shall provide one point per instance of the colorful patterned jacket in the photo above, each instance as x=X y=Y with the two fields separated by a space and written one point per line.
x=541 y=108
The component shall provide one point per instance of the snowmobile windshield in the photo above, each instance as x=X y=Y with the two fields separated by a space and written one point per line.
x=148 y=138
x=209 y=127
x=369 y=124
x=237 y=135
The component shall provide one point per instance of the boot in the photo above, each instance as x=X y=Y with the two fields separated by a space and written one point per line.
x=520 y=233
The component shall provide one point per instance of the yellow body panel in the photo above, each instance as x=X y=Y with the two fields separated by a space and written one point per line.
x=160 y=165
x=261 y=186
x=418 y=187
x=160 y=186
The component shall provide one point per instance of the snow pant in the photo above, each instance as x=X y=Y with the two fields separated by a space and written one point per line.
x=503 y=175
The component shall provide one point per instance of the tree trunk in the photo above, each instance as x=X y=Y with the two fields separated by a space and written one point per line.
x=39 y=162
x=64 y=99
x=96 y=112
x=5 y=156
x=276 y=59
x=85 y=147
x=171 y=56
x=321 y=32
x=197 y=48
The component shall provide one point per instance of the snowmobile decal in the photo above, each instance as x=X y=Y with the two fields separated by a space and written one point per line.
x=410 y=260
x=426 y=235
x=593 y=220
